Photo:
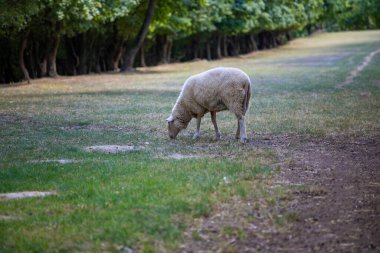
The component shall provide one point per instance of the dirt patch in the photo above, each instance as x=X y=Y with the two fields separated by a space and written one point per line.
x=315 y=61
x=95 y=128
x=60 y=161
x=111 y=149
x=21 y=195
x=180 y=157
x=13 y=118
x=8 y=217
x=339 y=206
x=8 y=118
x=334 y=207
x=311 y=61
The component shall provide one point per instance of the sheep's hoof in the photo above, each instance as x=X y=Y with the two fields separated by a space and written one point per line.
x=244 y=140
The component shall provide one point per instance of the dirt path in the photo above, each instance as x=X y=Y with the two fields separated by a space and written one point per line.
x=337 y=208
x=340 y=209
x=354 y=73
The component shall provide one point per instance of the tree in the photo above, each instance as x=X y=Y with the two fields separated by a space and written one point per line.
x=14 y=20
x=70 y=37
x=170 y=22
x=131 y=53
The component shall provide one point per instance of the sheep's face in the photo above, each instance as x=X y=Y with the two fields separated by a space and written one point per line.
x=173 y=130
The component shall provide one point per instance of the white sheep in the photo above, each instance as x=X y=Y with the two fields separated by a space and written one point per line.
x=212 y=91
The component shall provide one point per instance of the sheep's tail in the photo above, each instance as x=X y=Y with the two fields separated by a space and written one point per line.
x=247 y=97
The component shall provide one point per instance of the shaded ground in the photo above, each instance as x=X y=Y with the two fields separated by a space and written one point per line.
x=334 y=207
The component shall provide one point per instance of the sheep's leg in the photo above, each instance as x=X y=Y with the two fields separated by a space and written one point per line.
x=198 y=132
x=213 y=119
x=237 y=136
x=243 y=134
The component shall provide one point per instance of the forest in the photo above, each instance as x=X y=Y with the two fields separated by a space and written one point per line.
x=48 y=38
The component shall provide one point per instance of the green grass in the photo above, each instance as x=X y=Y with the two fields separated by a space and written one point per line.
x=144 y=199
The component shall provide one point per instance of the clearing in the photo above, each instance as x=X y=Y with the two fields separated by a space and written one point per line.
x=307 y=181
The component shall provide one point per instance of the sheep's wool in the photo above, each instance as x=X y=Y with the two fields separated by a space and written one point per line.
x=214 y=90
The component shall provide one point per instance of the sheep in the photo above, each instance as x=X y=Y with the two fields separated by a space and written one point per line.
x=215 y=90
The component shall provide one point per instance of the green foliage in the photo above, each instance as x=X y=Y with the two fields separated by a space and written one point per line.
x=352 y=14
x=172 y=18
x=16 y=15
x=95 y=33
x=242 y=18
x=189 y=17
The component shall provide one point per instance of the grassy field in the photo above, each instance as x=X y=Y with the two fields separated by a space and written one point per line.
x=145 y=199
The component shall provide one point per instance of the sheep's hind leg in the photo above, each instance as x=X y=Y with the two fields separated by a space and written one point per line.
x=197 y=131
x=213 y=119
x=237 y=136
x=241 y=128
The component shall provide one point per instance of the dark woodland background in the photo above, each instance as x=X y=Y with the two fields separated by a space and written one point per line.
x=41 y=38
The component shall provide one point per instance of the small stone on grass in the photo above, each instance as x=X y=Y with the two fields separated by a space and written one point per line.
x=21 y=195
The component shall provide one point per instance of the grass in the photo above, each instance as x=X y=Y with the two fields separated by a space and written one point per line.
x=143 y=199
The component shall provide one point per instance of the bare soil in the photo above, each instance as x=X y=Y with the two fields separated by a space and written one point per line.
x=334 y=205
x=96 y=128
x=59 y=161
x=111 y=149
x=354 y=73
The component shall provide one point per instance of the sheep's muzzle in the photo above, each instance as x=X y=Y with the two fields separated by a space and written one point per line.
x=173 y=131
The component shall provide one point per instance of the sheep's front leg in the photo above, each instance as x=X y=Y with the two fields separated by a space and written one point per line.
x=241 y=129
x=198 y=132
x=213 y=119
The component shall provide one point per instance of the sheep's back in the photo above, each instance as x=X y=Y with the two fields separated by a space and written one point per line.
x=217 y=88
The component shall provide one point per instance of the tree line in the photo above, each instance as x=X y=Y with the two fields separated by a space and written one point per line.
x=41 y=38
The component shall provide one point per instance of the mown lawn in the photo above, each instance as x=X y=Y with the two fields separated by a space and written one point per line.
x=145 y=199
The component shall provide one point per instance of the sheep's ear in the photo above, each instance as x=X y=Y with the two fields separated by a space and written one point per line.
x=170 y=119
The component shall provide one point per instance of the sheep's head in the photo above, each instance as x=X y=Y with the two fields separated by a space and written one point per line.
x=172 y=127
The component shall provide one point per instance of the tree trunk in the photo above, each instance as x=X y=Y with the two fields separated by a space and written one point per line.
x=30 y=63
x=98 y=65
x=253 y=42
x=288 y=36
x=208 y=49
x=130 y=56
x=163 y=43
x=195 y=48
x=170 y=46
x=72 y=54
x=225 y=49
x=8 y=76
x=142 y=56
x=114 y=54
x=273 y=37
x=52 y=64
x=118 y=57
x=43 y=67
x=83 y=54
x=219 y=46
x=237 y=44
x=264 y=40
x=24 y=70
x=36 y=58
